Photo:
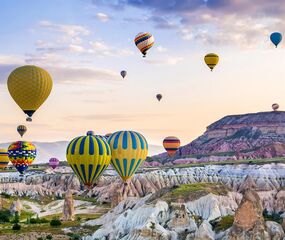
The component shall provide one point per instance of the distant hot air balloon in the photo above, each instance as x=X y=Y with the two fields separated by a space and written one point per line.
x=129 y=150
x=144 y=41
x=22 y=130
x=53 y=163
x=123 y=73
x=22 y=154
x=211 y=60
x=4 y=159
x=275 y=106
x=29 y=86
x=88 y=156
x=108 y=135
x=171 y=145
x=276 y=38
x=159 y=97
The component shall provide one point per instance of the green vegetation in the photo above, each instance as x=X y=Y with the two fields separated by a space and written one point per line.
x=55 y=222
x=276 y=217
x=5 y=216
x=223 y=223
x=16 y=227
x=195 y=191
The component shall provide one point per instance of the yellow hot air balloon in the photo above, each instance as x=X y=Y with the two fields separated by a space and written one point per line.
x=211 y=60
x=4 y=158
x=88 y=156
x=129 y=150
x=29 y=86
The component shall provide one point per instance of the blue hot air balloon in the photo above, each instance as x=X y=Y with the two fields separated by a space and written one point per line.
x=276 y=38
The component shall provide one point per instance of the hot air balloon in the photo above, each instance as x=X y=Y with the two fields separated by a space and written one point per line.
x=4 y=159
x=129 y=150
x=88 y=156
x=275 y=106
x=144 y=41
x=108 y=135
x=211 y=60
x=22 y=154
x=29 y=86
x=171 y=145
x=22 y=130
x=159 y=97
x=123 y=73
x=276 y=38
x=53 y=163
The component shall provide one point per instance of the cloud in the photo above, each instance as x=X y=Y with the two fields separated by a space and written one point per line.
x=215 y=22
x=102 y=49
x=116 y=117
x=68 y=29
x=102 y=17
x=67 y=75
x=161 y=49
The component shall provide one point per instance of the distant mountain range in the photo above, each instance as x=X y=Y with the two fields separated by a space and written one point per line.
x=244 y=136
x=47 y=150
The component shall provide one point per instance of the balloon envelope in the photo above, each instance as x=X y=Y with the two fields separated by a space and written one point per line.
x=211 y=60
x=275 y=106
x=123 y=73
x=22 y=154
x=53 y=163
x=88 y=156
x=129 y=150
x=4 y=159
x=171 y=145
x=29 y=86
x=159 y=97
x=144 y=41
x=276 y=38
x=22 y=130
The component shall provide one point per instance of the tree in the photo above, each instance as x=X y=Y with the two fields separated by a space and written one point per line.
x=16 y=227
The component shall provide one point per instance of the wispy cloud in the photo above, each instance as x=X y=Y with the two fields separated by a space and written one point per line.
x=102 y=17
x=166 y=60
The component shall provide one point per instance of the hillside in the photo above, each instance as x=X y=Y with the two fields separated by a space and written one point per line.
x=254 y=135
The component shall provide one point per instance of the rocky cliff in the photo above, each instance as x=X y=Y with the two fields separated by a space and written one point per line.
x=254 y=135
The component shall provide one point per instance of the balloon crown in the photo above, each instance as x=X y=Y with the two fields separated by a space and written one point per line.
x=90 y=133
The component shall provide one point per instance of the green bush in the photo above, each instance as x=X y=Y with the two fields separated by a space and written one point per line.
x=49 y=237
x=38 y=220
x=276 y=217
x=16 y=227
x=55 y=222
x=74 y=236
x=16 y=218
x=5 y=216
x=223 y=223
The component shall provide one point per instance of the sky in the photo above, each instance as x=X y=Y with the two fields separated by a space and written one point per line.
x=84 y=45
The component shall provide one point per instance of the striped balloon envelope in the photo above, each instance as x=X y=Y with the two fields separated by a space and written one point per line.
x=88 y=156
x=22 y=154
x=4 y=159
x=53 y=163
x=129 y=150
x=211 y=60
x=144 y=41
x=171 y=145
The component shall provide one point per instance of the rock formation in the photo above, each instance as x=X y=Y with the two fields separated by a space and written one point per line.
x=16 y=206
x=248 y=220
x=68 y=207
x=254 y=135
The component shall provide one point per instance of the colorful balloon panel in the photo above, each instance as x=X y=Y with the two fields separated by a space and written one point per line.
x=144 y=41
x=171 y=145
x=53 y=163
x=21 y=130
x=88 y=156
x=129 y=150
x=276 y=38
x=22 y=154
x=29 y=86
x=4 y=159
x=211 y=60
